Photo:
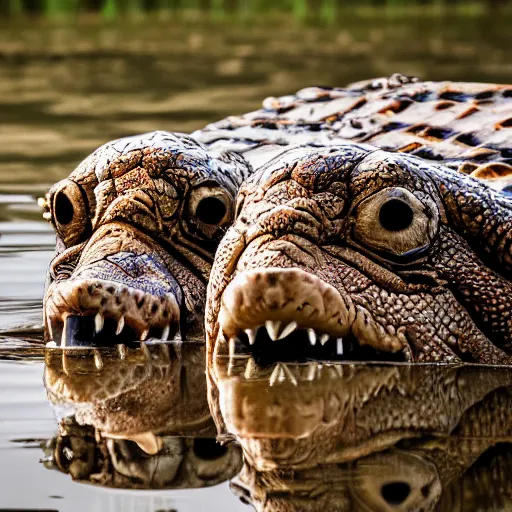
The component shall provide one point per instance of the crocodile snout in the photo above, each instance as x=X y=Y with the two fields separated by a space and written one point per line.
x=120 y=290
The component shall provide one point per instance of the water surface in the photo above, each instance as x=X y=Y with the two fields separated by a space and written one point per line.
x=67 y=88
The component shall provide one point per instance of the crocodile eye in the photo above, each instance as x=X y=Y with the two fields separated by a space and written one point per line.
x=395 y=215
x=396 y=222
x=209 y=209
x=69 y=212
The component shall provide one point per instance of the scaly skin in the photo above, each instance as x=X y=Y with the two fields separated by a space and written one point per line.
x=371 y=248
x=366 y=437
x=138 y=221
x=135 y=418
x=137 y=225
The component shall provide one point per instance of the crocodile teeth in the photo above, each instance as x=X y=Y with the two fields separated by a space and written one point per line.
x=120 y=326
x=276 y=331
x=273 y=329
x=98 y=362
x=311 y=371
x=99 y=321
x=121 y=350
x=165 y=333
x=251 y=334
x=63 y=339
x=144 y=335
x=312 y=336
x=339 y=346
x=282 y=373
x=323 y=339
x=250 y=368
x=232 y=346
x=145 y=350
x=288 y=330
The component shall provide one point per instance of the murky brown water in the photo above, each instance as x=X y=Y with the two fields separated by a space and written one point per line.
x=64 y=90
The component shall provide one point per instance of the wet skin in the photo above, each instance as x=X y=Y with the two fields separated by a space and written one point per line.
x=137 y=224
x=369 y=437
x=357 y=253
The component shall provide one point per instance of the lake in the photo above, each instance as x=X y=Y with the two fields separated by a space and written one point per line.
x=68 y=86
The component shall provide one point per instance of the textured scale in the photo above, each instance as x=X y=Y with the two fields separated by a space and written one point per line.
x=465 y=126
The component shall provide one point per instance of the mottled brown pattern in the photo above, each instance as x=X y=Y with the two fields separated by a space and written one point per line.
x=387 y=438
x=134 y=256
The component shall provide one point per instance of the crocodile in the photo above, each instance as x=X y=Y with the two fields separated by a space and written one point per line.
x=135 y=418
x=366 y=436
x=139 y=221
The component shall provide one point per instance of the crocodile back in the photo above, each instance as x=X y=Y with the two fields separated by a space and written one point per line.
x=465 y=126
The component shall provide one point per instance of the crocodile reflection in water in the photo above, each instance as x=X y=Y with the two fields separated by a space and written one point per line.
x=135 y=419
x=367 y=437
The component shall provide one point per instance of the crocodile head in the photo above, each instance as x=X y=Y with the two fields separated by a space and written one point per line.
x=135 y=418
x=137 y=224
x=335 y=436
x=356 y=253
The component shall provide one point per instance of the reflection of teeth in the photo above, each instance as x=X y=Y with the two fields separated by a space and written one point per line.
x=323 y=339
x=99 y=321
x=120 y=325
x=251 y=334
x=121 y=350
x=97 y=360
x=282 y=373
x=165 y=333
x=312 y=336
x=311 y=371
x=145 y=350
x=250 y=368
x=273 y=329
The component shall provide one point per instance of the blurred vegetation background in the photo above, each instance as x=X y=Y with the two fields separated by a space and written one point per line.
x=309 y=10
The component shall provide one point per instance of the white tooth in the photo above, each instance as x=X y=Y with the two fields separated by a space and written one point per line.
x=312 y=336
x=323 y=339
x=277 y=374
x=120 y=326
x=251 y=334
x=51 y=344
x=121 y=350
x=63 y=339
x=165 y=333
x=282 y=373
x=290 y=375
x=288 y=330
x=232 y=346
x=339 y=346
x=97 y=360
x=273 y=329
x=99 y=321
x=311 y=371
x=144 y=335
x=250 y=368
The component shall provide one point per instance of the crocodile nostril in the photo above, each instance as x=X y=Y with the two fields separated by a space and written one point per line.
x=80 y=331
x=395 y=493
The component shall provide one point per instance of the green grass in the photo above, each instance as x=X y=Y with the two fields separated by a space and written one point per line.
x=326 y=11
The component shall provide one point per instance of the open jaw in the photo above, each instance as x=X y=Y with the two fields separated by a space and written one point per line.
x=290 y=314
